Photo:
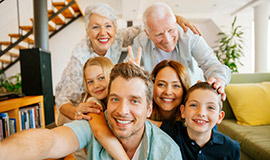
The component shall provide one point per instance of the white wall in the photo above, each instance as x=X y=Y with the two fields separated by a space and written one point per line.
x=245 y=19
x=8 y=16
x=61 y=46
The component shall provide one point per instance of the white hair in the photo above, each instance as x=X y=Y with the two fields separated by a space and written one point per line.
x=101 y=9
x=156 y=11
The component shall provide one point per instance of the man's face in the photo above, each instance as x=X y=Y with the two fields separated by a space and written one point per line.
x=127 y=108
x=163 y=33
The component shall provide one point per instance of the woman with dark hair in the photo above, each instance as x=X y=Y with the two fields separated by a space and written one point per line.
x=171 y=82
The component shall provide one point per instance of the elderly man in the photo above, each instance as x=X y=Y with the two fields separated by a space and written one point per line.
x=129 y=104
x=164 y=39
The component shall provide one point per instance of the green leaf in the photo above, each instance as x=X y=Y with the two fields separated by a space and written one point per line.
x=229 y=48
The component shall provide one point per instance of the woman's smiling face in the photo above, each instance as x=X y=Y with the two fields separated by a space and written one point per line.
x=168 y=90
x=101 y=32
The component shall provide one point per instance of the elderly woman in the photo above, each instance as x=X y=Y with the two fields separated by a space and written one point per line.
x=103 y=39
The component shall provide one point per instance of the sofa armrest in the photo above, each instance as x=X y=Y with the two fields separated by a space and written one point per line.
x=228 y=110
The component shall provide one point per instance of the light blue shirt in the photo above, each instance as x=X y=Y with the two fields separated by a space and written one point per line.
x=155 y=144
x=191 y=50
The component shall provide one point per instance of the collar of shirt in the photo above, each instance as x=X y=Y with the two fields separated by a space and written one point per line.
x=216 y=138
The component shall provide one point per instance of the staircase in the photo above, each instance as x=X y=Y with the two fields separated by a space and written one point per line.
x=63 y=14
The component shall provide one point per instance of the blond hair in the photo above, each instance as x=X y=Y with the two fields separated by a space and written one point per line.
x=105 y=63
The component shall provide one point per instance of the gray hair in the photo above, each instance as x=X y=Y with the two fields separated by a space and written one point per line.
x=101 y=9
x=156 y=11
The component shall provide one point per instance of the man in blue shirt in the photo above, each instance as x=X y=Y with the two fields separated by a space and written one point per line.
x=163 y=39
x=129 y=104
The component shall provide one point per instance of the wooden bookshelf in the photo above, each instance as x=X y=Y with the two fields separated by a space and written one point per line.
x=12 y=107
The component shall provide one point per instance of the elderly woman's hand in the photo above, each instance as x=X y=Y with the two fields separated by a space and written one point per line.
x=88 y=107
x=184 y=23
x=131 y=56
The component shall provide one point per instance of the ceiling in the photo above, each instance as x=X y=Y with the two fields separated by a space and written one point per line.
x=133 y=9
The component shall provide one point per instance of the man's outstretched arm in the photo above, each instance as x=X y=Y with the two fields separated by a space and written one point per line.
x=39 y=144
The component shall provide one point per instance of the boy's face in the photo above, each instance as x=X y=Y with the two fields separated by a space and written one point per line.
x=202 y=112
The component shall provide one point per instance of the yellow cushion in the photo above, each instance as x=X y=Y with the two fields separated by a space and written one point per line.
x=250 y=102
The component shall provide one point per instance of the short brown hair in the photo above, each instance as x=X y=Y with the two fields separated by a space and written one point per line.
x=128 y=71
x=184 y=80
x=203 y=86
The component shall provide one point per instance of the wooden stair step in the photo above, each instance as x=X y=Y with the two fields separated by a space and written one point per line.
x=26 y=28
x=7 y=43
x=57 y=20
x=5 y=61
x=51 y=28
x=67 y=12
x=20 y=47
x=27 y=39
x=12 y=54
x=59 y=4
x=75 y=7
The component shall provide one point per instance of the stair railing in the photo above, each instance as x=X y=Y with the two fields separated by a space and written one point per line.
x=31 y=31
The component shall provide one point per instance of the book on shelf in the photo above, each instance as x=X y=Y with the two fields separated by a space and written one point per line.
x=30 y=117
x=5 y=124
x=12 y=125
x=1 y=130
x=22 y=124
x=18 y=117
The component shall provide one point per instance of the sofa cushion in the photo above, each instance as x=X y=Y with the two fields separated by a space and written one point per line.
x=254 y=140
x=250 y=102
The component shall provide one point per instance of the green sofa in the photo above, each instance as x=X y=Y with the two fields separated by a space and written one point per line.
x=254 y=140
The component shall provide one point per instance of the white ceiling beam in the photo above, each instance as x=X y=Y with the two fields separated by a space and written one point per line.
x=249 y=4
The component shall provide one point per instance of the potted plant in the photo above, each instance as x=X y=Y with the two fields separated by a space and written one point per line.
x=10 y=84
x=230 y=47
